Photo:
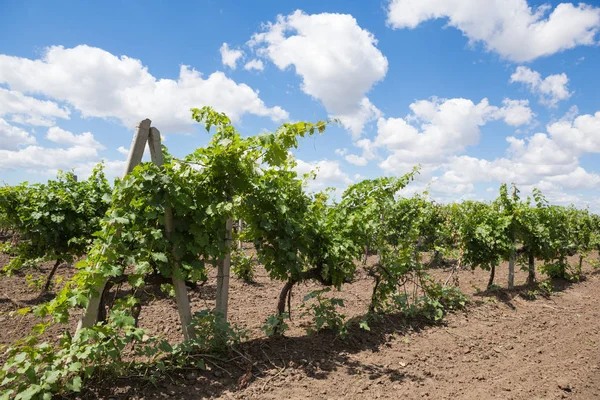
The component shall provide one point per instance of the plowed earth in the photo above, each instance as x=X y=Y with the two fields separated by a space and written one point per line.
x=503 y=346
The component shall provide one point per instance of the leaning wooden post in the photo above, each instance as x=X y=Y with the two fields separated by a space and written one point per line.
x=136 y=152
x=223 y=273
x=181 y=295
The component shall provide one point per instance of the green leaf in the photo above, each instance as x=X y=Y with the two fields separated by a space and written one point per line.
x=364 y=325
x=75 y=367
x=162 y=257
x=75 y=384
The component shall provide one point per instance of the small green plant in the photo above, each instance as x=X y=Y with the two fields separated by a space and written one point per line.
x=168 y=289
x=37 y=370
x=242 y=266
x=560 y=270
x=35 y=283
x=436 y=302
x=544 y=289
x=494 y=288
x=275 y=324
x=324 y=312
x=450 y=297
x=214 y=334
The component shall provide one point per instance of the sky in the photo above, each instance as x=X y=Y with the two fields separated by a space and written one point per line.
x=478 y=93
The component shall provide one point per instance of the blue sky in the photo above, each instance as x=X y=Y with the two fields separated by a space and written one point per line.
x=478 y=93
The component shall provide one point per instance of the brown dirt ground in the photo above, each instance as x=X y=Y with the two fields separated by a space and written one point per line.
x=502 y=347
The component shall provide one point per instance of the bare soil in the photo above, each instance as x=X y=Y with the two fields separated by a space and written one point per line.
x=503 y=346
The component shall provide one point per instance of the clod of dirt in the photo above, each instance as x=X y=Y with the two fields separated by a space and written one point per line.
x=564 y=385
x=191 y=376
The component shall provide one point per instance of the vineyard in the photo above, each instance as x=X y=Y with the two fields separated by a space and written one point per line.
x=222 y=266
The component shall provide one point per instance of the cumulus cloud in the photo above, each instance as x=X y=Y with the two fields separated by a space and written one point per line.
x=254 y=64
x=108 y=86
x=579 y=178
x=356 y=160
x=368 y=148
x=43 y=158
x=516 y=112
x=582 y=134
x=550 y=90
x=112 y=168
x=29 y=110
x=438 y=128
x=60 y=136
x=537 y=161
x=230 y=57
x=510 y=28
x=12 y=137
x=77 y=153
x=329 y=174
x=337 y=60
x=355 y=121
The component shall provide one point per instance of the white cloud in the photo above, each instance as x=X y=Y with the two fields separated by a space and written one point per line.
x=356 y=160
x=511 y=28
x=78 y=153
x=112 y=169
x=537 y=161
x=230 y=57
x=576 y=179
x=437 y=132
x=12 y=137
x=337 y=60
x=328 y=174
x=368 y=148
x=582 y=134
x=60 y=136
x=551 y=89
x=100 y=84
x=355 y=122
x=516 y=112
x=254 y=64
x=123 y=150
x=438 y=128
x=42 y=158
x=29 y=110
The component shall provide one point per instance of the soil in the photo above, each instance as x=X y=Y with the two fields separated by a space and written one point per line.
x=504 y=346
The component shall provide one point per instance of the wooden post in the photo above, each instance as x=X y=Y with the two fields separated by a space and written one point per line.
x=136 y=151
x=513 y=251
x=511 y=268
x=531 y=278
x=223 y=273
x=181 y=295
x=239 y=232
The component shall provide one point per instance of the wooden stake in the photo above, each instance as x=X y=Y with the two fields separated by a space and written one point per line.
x=223 y=273
x=181 y=295
x=511 y=268
x=513 y=253
x=136 y=151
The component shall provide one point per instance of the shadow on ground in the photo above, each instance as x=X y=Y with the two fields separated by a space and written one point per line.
x=264 y=359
